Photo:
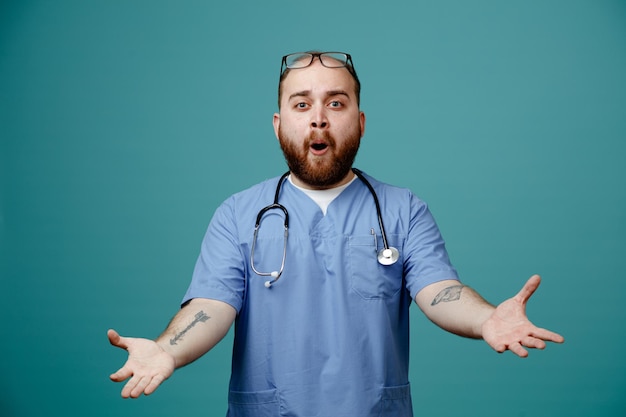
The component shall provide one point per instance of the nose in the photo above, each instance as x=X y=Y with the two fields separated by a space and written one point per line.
x=319 y=120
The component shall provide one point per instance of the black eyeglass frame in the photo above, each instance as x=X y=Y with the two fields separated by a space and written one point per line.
x=346 y=63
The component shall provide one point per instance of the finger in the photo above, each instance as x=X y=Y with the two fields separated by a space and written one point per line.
x=140 y=387
x=500 y=347
x=533 y=343
x=116 y=340
x=122 y=374
x=544 y=334
x=128 y=389
x=518 y=350
x=528 y=289
x=153 y=385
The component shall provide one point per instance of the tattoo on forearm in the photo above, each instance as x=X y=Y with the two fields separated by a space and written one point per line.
x=452 y=293
x=201 y=317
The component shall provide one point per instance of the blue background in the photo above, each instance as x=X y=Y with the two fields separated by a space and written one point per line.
x=123 y=124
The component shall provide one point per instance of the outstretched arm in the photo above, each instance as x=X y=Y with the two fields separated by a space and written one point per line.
x=461 y=310
x=194 y=330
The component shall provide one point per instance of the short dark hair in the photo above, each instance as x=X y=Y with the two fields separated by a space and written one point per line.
x=349 y=67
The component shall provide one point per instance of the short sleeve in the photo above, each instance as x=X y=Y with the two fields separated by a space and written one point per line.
x=426 y=259
x=219 y=273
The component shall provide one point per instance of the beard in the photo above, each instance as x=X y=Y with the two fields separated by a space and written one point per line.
x=324 y=171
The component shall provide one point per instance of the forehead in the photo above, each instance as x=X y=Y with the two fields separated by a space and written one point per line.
x=317 y=78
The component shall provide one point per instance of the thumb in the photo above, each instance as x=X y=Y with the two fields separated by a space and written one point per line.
x=528 y=289
x=116 y=340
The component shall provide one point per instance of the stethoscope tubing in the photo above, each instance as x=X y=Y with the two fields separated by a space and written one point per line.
x=383 y=233
x=387 y=256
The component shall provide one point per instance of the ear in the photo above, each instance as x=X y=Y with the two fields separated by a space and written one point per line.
x=362 y=122
x=276 y=123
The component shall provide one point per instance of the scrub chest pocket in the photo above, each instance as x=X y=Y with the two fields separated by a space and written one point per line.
x=368 y=278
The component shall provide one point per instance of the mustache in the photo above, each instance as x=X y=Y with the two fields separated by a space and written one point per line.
x=317 y=137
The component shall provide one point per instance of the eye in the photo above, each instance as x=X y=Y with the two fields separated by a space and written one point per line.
x=301 y=105
x=335 y=103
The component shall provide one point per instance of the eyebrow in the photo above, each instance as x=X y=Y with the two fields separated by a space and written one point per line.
x=330 y=93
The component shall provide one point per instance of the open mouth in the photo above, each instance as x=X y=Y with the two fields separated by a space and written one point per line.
x=319 y=146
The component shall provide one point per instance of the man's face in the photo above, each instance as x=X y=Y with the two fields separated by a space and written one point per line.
x=319 y=126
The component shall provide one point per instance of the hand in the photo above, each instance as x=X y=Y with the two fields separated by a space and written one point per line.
x=148 y=365
x=509 y=328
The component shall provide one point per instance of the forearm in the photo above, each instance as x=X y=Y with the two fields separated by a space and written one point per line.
x=455 y=308
x=195 y=329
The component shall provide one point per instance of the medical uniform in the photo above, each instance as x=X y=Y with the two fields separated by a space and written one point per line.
x=331 y=336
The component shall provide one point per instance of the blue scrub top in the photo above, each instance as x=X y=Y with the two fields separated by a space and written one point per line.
x=331 y=336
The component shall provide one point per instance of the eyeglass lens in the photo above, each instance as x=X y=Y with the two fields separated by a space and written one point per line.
x=328 y=59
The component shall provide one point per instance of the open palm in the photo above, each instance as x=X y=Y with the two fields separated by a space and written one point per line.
x=509 y=327
x=147 y=366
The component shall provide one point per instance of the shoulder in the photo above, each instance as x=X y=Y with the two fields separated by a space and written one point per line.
x=393 y=193
x=259 y=191
x=240 y=209
x=249 y=200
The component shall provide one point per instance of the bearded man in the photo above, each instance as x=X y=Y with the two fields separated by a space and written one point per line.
x=318 y=269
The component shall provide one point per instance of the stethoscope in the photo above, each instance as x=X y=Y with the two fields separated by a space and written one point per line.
x=388 y=255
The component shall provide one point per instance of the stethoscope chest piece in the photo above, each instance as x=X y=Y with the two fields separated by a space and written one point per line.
x=388 y=256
